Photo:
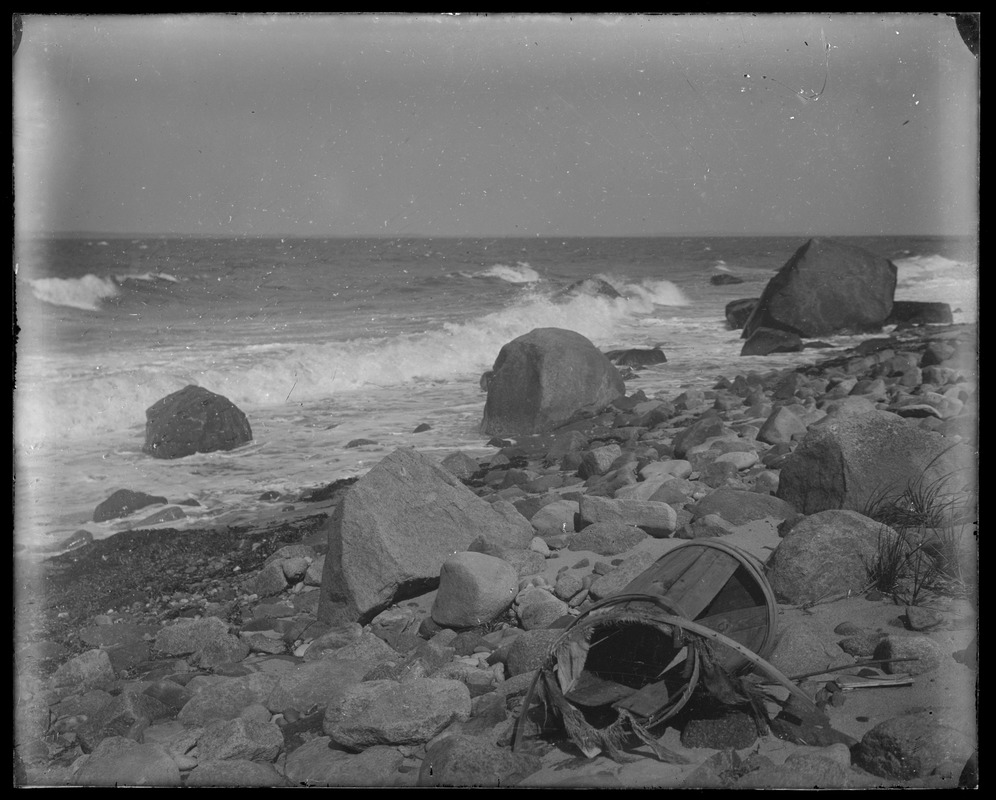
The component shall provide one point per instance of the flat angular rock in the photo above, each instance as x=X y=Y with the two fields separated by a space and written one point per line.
x=474 y=588
x=656 y=518
x=226 y=698
x=241 y=739
x=118 y=761
x=367 y=714
x=316 y=763
x=606 y=538
x=124 y=502
x=92 y=668
x=393 y=529
x=739 y=506
x=473 y=761
x=194 y=420
x=765 y=341
x=541 y=378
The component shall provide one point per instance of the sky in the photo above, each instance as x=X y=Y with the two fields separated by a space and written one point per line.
x=496 y=125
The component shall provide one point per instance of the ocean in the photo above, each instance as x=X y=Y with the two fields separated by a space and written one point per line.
x=325 y=341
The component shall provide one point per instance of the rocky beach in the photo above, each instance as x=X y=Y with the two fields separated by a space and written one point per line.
x=387 y=630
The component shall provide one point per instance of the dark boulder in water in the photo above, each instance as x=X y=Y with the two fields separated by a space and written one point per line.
x=637 y=358
x=194 y=420
x=739 y=311
x=592 y=286
x=725 y=279
x=540 y=379
x=910 y=312
x=769 y=340
x=825 y=288
x=124 y=502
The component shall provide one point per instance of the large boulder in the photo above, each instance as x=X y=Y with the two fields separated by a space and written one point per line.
x=827 y=553
x=540 y=379
x=853 y=462
x=825 y=288
x=194 y=420
x=394 y=528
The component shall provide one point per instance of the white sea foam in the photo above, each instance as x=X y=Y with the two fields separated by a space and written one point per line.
x=520 y=273
x=85 y=293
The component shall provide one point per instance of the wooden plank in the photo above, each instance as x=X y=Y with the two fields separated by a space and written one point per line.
x=700 y=584
x=664 y=572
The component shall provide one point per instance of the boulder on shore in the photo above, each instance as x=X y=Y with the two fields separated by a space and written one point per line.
x=911 y=312
x=636 y=357
x=194 y=420
x=765 y=341
x=825 y=288
x=540 y=379
x=395 y=527
x=739 y=311
x=852 y=462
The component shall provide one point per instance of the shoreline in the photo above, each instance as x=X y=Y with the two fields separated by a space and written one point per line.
x=156 y=576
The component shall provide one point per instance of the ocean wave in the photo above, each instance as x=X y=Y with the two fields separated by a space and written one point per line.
x=267 y=374
x=85 y=293
x=522 y=272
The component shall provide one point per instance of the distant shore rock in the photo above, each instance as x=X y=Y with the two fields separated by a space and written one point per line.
x=541 y=378
x=739 y=311
x=825 y=288
x=591 y=286
x=194 y=420
x=637 y=358
x=910 y=312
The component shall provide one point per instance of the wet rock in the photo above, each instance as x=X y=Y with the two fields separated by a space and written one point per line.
x=765 y=341
x=738 y=312
x=194 y=420
x=540 y=379
x=827 y=287
x=124 y=502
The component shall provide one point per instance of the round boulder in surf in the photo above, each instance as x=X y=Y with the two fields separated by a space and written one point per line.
x=194 y=420
x=540 y=379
